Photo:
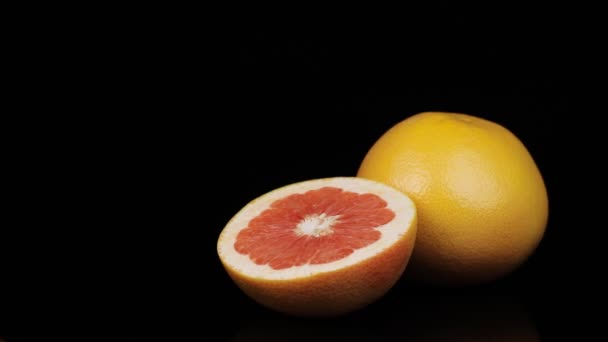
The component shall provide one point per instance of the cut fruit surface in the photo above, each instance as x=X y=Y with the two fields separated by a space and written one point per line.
x=320 y=247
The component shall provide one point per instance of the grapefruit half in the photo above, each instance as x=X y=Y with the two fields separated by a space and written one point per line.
x=321 y=247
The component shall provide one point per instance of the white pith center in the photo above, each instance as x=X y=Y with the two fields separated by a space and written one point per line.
x=316 y=225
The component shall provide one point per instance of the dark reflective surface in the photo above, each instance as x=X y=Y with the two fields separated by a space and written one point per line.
x=470 y=318
x=408 y=318
x=119 y=214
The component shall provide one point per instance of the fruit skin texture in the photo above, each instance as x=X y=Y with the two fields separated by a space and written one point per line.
x=327 y=293
x=482 y=203
x=332 y=293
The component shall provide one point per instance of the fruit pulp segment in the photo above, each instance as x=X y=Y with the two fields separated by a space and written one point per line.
x=315 y=227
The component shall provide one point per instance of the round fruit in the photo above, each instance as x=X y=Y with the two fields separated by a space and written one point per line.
x=482 y=204
x=321 y=247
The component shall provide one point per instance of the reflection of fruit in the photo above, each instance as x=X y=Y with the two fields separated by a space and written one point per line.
x=415 y=318
x=280 y=329
x=460 y=318
x=482 y=204
x=322 y=247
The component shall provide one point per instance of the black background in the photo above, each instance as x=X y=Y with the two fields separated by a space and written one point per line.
x=171 y=132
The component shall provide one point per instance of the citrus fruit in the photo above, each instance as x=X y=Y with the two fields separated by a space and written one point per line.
x=320 y=247
x=481 y=201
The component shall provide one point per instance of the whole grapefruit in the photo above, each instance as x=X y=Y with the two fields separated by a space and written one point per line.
x=481 y=200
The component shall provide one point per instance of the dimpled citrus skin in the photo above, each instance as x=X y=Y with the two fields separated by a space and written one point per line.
x=482 y=203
